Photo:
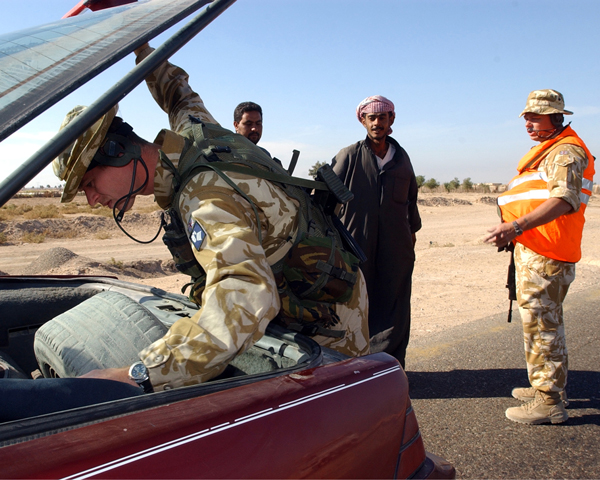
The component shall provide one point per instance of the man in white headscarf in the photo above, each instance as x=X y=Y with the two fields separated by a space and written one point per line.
x=383 y=218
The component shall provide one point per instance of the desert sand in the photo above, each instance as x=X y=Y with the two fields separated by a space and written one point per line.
x=457 y=278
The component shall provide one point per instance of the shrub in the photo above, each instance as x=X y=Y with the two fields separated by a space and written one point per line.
x=116 y=263
x=75 y=208
x=42 y=211
x=313 y=170
x=420 y=180
x=10 y=210
x=467 y=184
x=102 y=211
x=32 y=237
x=432 y=183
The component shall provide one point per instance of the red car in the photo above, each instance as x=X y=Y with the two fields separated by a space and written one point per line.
x=287 y=408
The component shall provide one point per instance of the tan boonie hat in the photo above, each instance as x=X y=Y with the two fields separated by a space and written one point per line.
x=72 y=164
x=545 y=102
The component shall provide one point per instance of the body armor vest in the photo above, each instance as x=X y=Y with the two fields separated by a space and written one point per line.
x=321 y=267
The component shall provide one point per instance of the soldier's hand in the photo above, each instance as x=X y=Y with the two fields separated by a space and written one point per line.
x=500 y=235
x=140 y=49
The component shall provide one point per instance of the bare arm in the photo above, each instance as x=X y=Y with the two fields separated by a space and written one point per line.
x=117 y=374
x=504 y=233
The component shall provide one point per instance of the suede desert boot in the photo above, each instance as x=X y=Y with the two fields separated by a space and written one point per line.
x=544 y=408
x=526 y=394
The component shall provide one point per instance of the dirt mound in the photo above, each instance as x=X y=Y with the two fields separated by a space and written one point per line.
x=53 y=258
x=441 y=202
x=79 y=226
x=61 y=261
x=488 y=200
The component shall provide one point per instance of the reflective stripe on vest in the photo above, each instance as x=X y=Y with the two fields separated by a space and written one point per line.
x=559 y=239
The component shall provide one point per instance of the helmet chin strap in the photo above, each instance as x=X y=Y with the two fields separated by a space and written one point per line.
x=127 y=198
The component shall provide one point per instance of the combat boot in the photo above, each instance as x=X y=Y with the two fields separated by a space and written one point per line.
x=538 y=410
x=526 y=394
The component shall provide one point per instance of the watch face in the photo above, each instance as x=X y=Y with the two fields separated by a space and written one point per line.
x=138 y=372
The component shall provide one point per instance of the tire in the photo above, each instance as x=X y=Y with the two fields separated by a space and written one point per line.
x=105 y=331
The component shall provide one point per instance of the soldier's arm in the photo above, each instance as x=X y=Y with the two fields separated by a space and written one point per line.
x=564 y=168
x=239 y=300
x=169 y=86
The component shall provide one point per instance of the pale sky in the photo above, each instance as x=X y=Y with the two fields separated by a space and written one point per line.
x=458 y=71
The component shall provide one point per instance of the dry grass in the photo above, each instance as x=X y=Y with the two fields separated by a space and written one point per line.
x=104 y=235
x=42 y=211
x=116 y=263
x=148 y=208
x=13 y=211
x=31 y=237
x=75 y=208
x=67 y=233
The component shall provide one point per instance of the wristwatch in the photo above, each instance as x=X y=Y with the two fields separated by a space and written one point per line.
x=518 y=230
x=138 y=372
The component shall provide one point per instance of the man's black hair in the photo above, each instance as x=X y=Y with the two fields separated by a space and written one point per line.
x=246 y=107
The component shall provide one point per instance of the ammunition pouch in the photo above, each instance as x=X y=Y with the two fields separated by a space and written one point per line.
x=177 y=241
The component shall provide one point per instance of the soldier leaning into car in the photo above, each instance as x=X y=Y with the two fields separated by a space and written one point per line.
x=240 y=297
x=543 y=215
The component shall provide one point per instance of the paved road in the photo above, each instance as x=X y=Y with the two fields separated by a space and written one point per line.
x=460 y=383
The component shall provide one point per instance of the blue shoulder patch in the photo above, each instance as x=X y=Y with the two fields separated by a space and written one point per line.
x=197 y=235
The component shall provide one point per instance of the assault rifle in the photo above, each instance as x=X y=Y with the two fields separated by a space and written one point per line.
x=511 y=283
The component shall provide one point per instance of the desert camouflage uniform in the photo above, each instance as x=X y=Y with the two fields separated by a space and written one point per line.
x=240 y=297
x=542 y=282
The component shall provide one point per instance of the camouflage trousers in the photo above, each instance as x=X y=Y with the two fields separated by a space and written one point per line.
x=542 y=285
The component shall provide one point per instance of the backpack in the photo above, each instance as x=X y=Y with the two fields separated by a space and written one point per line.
x=319 y=270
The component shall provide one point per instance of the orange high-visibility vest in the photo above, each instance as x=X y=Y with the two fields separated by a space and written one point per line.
x=559 y=239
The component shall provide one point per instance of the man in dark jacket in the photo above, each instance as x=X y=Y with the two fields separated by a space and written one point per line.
x=383 y=219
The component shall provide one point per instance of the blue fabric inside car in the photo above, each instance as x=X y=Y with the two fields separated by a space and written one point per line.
x=22 y=398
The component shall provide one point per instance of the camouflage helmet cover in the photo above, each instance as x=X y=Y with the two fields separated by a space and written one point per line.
x=545 y=102
x=72 y=164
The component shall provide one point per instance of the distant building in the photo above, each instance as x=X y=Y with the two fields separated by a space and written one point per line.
x=495 y=187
